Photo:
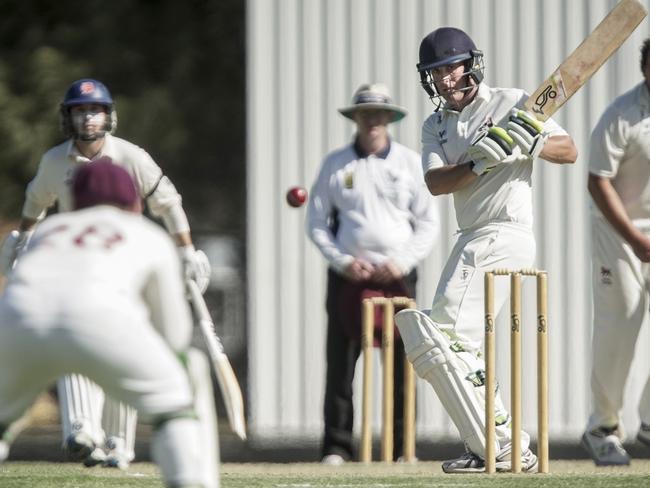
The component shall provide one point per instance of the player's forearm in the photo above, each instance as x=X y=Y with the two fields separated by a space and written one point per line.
x=611 y=206
x=182 y=239
x=448 y=179
x=560 y=150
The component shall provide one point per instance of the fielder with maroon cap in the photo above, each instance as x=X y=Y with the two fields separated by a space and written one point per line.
x=100 y=293
x=91 y=425
x=479 y=145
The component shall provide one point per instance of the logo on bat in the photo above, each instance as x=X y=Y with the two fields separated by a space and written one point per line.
x=543 y=98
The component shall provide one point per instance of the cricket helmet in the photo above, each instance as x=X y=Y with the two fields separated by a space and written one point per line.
x=445 y=46
x=87 y=91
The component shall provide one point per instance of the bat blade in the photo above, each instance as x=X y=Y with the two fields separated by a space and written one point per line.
x=586 y=59
x=228 y=384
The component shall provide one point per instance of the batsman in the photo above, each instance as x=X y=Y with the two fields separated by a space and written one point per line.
x=479 y=145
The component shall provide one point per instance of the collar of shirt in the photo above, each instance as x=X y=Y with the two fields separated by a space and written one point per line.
x=362 y=154
x=76 y=156
x=483 y=95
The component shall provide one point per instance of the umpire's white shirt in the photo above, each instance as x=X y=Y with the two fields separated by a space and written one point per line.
x=383 y=208
x=502 y=195
x=54 y=176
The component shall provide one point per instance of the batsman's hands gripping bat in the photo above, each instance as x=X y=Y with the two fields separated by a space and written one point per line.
x=527 y=132
x=489 y=149
x=228 y=384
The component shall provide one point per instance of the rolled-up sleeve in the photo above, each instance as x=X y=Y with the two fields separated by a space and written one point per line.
x=38 y=196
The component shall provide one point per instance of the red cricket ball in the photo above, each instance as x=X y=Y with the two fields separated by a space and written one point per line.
x=296 y=196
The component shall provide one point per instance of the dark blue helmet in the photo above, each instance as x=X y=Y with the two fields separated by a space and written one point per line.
x=87 y=91
x=444 y=46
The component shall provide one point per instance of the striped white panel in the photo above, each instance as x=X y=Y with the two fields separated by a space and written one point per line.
x=304 y=60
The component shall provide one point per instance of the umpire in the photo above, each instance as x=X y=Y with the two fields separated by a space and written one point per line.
x=373 y=220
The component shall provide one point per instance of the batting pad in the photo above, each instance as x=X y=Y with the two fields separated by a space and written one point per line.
x=120 y=421
x=457 y=376
x=80 y=403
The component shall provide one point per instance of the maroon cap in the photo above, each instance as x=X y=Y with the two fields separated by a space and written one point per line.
x=102 y=182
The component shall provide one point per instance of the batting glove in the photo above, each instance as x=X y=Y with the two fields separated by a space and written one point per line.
x=196 y=266
x=489 y=149
x=12 y=246
x=527 y=132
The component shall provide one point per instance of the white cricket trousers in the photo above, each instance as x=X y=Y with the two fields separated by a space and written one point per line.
x=459 y=299
x=458 y=305
x=621 y=291
x=39 y=342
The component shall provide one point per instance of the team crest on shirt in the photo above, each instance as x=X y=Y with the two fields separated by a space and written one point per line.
x=348 y=180
x=605 y=275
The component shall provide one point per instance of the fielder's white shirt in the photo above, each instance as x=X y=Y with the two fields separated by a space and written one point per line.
x=104 y=257
x=620 y=150
x=383 y=208
x=54 y=177
x=505 y=193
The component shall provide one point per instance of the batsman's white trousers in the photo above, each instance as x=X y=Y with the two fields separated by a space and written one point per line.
x=458 y=302
x=458 y=305
x=621 y=288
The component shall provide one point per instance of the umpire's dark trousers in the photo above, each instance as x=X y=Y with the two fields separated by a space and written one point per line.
x=342 y=353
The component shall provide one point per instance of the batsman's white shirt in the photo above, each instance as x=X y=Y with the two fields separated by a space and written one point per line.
x=619 y=150
x=54 y=176
x=494 y=215
x=502 y=195
x=99 y=293
x=383 y=208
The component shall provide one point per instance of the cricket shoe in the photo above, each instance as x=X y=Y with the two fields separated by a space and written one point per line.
x=97 y=456
x=78 y=446
x=528 y=461
x=643 y=435
x=116 y=460
x=471 y=463
x=333 y=460
x=605 y=447
x=467 y=463
x=117 y=456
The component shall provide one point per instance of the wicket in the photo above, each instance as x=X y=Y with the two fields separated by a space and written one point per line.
x=515 y=365
x=387 y=349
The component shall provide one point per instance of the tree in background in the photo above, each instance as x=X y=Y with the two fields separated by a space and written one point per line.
x=175 y=70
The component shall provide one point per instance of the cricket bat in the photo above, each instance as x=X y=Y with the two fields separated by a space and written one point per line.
x=586 y=59
x=228 y=384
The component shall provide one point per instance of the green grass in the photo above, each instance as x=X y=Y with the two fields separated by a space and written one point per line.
x=569 y=474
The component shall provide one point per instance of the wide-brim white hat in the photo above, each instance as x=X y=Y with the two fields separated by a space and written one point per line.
x=373 y=96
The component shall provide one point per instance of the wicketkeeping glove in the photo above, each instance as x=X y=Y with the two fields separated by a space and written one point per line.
x=196 y=266
x=527 y=132
x=489 y=149
x=12 y=246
